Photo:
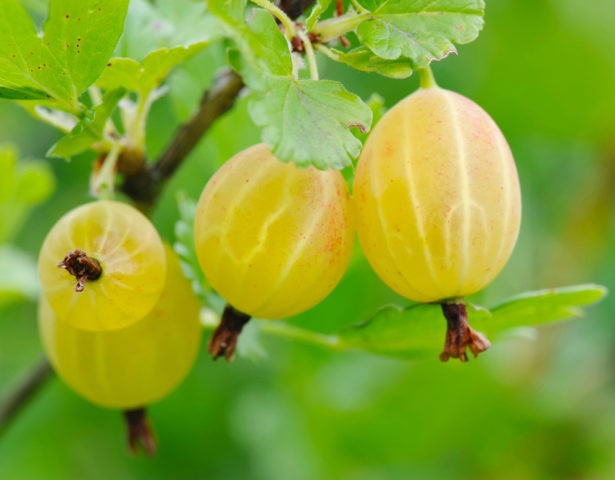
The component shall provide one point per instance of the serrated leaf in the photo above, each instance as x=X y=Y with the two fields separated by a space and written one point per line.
x=90 y=128
x=361 y=58
x=18 y=275
x=22 y=185
x=263 y=47
x=420 y=30
x=308 y=122
x=145 y=76
x=66 y=57
x=304 y=121
x=419 y=330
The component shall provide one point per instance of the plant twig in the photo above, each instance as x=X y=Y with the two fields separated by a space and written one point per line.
x=145 y=185
x=19 y=398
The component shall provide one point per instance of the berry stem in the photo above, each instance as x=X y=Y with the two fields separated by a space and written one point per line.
x=459 y=334
x=426 y=78
x=309 y=53
x=102 y=183
x=140 y=434
x=223 y=342
x=82 y=267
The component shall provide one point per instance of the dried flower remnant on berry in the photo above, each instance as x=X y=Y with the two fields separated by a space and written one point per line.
x=459 y=335
x=139 y=432
x=223 y=342
x=82 y=267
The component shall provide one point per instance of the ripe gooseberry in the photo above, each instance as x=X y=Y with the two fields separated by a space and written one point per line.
x=438 y=203
x=272 y=238
x=136 y=365
x=130 y=257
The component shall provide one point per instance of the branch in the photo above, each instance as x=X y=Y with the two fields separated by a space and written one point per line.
x=294 y=8
x=18 y=399
x=145 y=185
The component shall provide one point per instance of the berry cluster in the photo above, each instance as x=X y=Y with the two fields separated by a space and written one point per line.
x=436 y=203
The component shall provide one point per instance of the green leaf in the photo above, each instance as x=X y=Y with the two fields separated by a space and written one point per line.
x=66 y=57
x=18 y=276
x=165 y=24
x=308 y=122
x=411 y=332
x=89 y=130
x=317 y=11
x=419 y=330
x=156 y=39
x=304 y=121
x=121 y=72
x=22 y=186
x=145 y=76
x=263 y=47
x=230 y=12
x=533 y=309
x=420 y=30
x=361 y=58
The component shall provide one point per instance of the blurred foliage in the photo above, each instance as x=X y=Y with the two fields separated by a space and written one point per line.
x=539 y=405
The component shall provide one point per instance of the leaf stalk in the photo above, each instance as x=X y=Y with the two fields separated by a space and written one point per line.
x=309 y=53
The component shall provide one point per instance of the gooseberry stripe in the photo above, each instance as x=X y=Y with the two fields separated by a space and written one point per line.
x=375 y=180
x=414 y=204
x=239 y=199
x=310 y=230
x=464 y=178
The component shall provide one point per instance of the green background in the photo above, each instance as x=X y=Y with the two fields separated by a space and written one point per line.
x=537 y=405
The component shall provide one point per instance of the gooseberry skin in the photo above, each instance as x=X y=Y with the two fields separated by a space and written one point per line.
x=272 y=238
x=136 y=365
x=437 y=197
x=132 y=257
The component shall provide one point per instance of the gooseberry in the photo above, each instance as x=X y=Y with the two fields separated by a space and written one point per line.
x=437 y=198
x=272 y=238
x=131 y=367
x=118 y=259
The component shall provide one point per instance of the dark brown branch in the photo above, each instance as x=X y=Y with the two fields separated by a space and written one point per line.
x=294 y=8
x=214 y=104
x=17 y=400
x=145 y=185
